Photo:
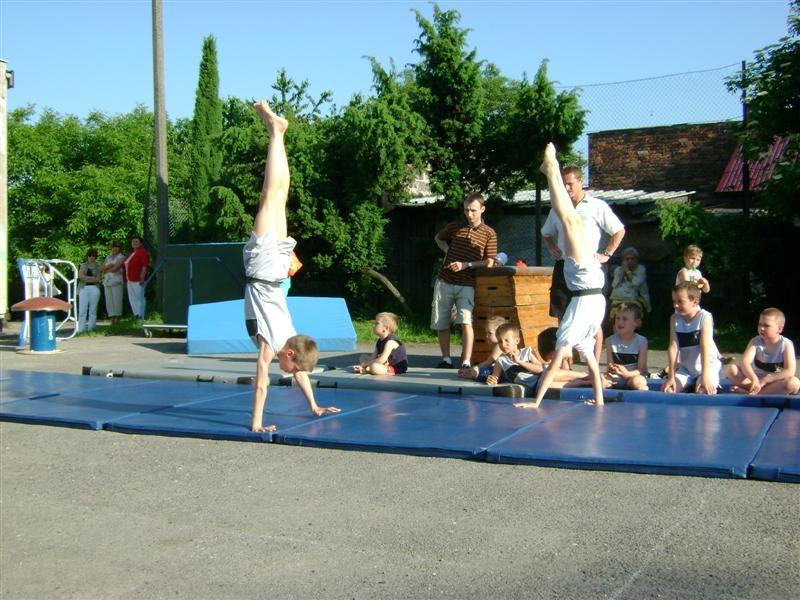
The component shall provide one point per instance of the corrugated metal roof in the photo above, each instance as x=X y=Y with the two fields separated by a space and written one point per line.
x=612 y=197
x=760 y=170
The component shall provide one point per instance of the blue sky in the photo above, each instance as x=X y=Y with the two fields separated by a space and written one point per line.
x=76 y=56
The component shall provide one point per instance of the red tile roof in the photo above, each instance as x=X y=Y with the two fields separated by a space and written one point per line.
x=760 y=170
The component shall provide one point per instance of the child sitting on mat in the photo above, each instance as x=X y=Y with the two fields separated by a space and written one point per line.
x=266 y=263
x=626 y=350
x=585 y=279
x=483 y=369
x=693 y=358
x=390 y=356
x=514 y=364
x=768 y=364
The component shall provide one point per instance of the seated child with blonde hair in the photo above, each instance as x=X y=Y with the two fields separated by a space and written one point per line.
x=483 y=369
x=515 y=364
x=768 y=364
x=694 y=363
x=390 y=356
x=626 y=350
x=692 y=257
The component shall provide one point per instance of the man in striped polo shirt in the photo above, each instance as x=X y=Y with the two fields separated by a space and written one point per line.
x=467 y=246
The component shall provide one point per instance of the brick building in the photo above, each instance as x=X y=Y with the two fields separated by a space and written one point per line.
x=673 y=157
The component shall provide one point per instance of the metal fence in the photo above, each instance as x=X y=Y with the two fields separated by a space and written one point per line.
x=690 y=97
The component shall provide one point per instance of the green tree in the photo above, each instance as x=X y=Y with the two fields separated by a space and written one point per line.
x=73 y=185
x=450 y=97
x=772 y=89
x=205 y=155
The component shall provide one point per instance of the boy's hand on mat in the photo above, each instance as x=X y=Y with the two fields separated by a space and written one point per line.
x=755 y=387
x=325 y=410
x=593 y=402
x=704 y=386
x=263 y=428
x=669 y=385
x=526 y=405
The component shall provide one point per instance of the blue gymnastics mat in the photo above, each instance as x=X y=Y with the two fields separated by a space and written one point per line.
x=712 y=441
x=218 y=327
x=422 y=425
x=229 y=417
x=21 y=385
x=779 y=456
x=93 y=402
x=653 y=397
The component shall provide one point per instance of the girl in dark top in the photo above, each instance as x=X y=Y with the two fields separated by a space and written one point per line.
x=390 y=356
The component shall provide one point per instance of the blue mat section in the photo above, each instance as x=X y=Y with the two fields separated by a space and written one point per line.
x=714 y=441
x=651 y=397
x=94 y=407
x=648 y=436
x=20 y=385
x=422 y=425
x=779 y=456
x=218 y=328
x=229 y=418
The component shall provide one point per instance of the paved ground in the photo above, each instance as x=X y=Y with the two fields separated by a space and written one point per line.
x=88 y=514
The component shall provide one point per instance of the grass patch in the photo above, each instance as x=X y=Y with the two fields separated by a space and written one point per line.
x=129 y=326
x=410 y=331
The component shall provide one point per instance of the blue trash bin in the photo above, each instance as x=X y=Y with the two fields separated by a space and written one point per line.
x=43 y=331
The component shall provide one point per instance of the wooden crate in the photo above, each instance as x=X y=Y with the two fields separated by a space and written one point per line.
x=520 y=294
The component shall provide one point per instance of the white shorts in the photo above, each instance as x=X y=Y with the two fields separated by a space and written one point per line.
x=689 y=380
x=445 y=295
x=265 y=311
x=584 y=314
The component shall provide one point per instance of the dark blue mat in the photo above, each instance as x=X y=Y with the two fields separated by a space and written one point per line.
x=651 y=397
x=94 y=406
x=718 y=441
x=422 y=425
x=19 y=385
x=229 y=418
x=779 y=456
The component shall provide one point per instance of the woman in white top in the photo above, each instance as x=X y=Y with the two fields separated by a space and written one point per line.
x=112 y=281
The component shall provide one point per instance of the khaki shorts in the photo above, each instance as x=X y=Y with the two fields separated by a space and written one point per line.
x=445 y=295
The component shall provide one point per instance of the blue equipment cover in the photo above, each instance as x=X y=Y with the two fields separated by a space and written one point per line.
x=95 y=407
x=218 y=327
x=714 y=441
x=779 y=456
x=422 y=425
x=651 y=397
x=229 y=417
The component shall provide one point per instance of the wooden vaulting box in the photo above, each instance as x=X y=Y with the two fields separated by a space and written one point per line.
x=520 y=294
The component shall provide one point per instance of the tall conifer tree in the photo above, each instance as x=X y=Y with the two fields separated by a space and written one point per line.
x=206 y=159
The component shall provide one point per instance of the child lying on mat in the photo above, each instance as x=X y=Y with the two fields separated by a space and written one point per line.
x=768 y=364
x=390 y=356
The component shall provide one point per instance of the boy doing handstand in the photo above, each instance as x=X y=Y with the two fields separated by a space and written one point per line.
x=585 y=280
x=266 y=263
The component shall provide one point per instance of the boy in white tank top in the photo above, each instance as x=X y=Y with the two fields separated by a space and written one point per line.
x=768 y=364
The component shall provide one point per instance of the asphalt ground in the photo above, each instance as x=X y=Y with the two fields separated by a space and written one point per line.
x=95 y=514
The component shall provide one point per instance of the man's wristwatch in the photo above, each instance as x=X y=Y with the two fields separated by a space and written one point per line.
x=607 y=253
x=469 y=265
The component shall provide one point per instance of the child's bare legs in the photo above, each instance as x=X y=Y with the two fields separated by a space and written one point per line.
x=739 y=381
x=377 y=368
x=546 y=380
x=574 y=238
x=271 y=216
x=638 y=383
x=265 y=354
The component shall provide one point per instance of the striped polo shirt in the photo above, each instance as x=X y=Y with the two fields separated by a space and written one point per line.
x=467 y=244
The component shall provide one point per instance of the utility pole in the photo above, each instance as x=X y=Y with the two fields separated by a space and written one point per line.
x=6 y=82
x=162 y=171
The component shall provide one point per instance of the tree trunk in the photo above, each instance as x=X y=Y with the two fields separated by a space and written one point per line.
x=389 y=286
